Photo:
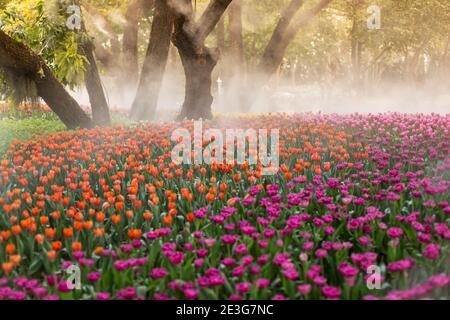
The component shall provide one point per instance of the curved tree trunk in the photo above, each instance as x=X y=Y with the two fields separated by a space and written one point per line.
x=106 y=57
x=21 y=61
x=145 y=103
x=197 y=59
x=94 y=87
x=284 y=33
x=273 y=54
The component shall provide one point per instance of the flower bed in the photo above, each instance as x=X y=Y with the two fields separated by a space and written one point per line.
x=352 y=193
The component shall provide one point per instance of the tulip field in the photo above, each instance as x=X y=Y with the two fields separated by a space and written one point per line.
x=358 y=209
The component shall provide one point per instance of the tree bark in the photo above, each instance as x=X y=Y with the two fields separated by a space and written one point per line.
x=197 y=59
x=273 y=54
x=235 y=75
x=236 y=38
x=356 y=52
x=94 y=87
x=198 y=98
x=209 y=19
x=145 y=103
x=21 y=61
x=107 y=58
x=130 y=41
x=220 y=34
x=284 y=34
x=93 y=82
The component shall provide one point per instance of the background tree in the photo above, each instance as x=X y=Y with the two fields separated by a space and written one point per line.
x=198 y=60
x=145 y=102
x=130 y=44
x=333 y=51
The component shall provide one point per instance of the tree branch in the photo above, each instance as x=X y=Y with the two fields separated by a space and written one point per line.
x=19 y=59
x=197 y=31
x=210 y=18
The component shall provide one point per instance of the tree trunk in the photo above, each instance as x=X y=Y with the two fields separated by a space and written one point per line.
x=220 y=34
x=356 y=54
x=94 y=87
x=130 y=61
x=236 y=38
x=198 y=64
x=235 y=77
x=198 y=60
x=198 y=98
x=145 y=103
x=106 y=57
x=21 y=61
x=273 y=54
x=284 y=33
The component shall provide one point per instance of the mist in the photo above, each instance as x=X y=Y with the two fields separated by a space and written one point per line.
x=281 y=95
x=291 y=90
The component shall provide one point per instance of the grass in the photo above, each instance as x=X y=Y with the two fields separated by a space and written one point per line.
x=24 y=126
x=17 y=127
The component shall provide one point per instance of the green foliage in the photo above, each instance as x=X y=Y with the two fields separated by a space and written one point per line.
x=18 y=89
x=406 y=27
x=41 y=24
x=71 y=64
x=23 y=128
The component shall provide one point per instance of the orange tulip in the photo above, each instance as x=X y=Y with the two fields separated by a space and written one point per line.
x=119 y=206
x=39 y=238
x=51 y=255
x=56 y=215
x=6 y=234
x=88 y=225
x=76 y=246
x=78 y=225
x=7 y=267
x=115 y=218
x=10 y=248
x=98 y=250
x=50 y=233
x=16 y=229
x=129 y=214
x=147 y=215
x=210 y=197
x=134 y=234
x=56 y=245
x=100 y=217
x=167 y=219
x=43 y=220
x=99 y=232
x=15 y=259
